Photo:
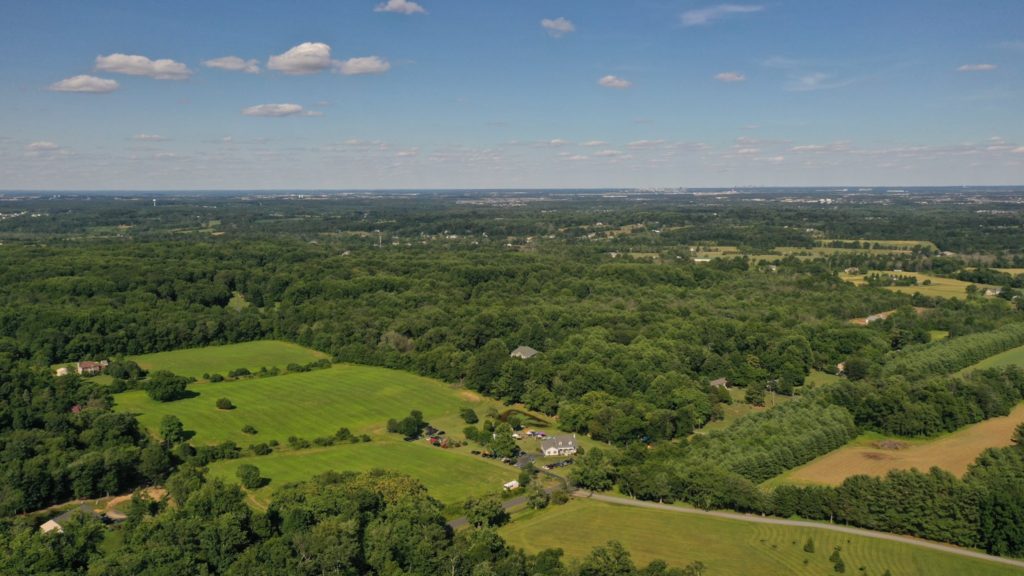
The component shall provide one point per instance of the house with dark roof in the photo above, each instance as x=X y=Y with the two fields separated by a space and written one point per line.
x=90 y=368
x=58 y=523
x=524 y=353
x=559 y=445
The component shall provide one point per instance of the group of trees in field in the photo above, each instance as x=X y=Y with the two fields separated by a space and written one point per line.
x=59 y=439
x=930 y=406
x=953 y=354
x=349 y=524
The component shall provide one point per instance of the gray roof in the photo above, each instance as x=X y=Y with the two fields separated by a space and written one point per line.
x=558 y=442
x=84 y=508
x=524 y=352
x=720 y=382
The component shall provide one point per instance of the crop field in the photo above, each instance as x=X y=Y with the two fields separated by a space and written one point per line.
x=307 y=404
x=727 y=547
x=939 y=287
x=865 y=455
x=1011 y=356
x=222 y=359
x=451 y=476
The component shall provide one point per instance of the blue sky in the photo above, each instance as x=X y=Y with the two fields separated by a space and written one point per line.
x=514 y=93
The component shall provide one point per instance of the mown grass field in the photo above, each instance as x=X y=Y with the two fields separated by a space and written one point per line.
x=451 y=476
x=222 y=359
x=1013 y=356
x=308 y=405
x=939 y=287
x=739 y=407
x=952 y=452
x=728 y=547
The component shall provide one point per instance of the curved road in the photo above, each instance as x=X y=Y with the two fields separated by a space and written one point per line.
x=803 y=524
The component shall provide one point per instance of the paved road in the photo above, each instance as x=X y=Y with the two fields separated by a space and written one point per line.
x=461 y=521
x=802 y=524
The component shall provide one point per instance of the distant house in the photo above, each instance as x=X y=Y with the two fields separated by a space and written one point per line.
x=852 y=270
x=524 y=353
x=511 y=485
x=720 y=383
x=841 y=368
x=702 y=260
x=62 y=371
x=90 y=368
x=559 y=446
x=61 y=521
x=991 y=292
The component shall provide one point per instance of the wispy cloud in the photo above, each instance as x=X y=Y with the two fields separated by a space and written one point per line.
x=85 y=83
x=610 y=81
x=363 y=65
x=234 y=64
x=135 y=65
x=703 y=16
x=816 y=81
x=730 y=77
x=557 y=27
x=43 y=146
x=277 y=110
x=400 y=7
x=148 y=138
x=976 y=68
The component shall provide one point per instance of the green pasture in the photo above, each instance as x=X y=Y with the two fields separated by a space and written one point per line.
x=938 y=287
x=222 y=359
x=727 y=547
x=308 y=405
x=1013 y=356
x=451 y=476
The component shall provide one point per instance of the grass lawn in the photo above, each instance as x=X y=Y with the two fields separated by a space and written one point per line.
x=308 y=405
x=727 y=547
x=740 y=408
x=817 y=378
x=939 y=287
x=451 y=476
x=952 y=452
x=222 y=359
x=1011 y=356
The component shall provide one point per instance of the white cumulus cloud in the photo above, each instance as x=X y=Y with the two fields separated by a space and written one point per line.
x=235 y=64
x=274 y=110
x=306 y=58
x=148 y=138
x=976 y=68
x=135 y=65
x=592 y=143
x=707 y=15
x=85 y=83
x=557 y=27
x=610 y=81
x=363 y=65
x=730 y=77
x=400 y=7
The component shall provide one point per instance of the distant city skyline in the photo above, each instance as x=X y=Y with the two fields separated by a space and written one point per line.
x=391 y=94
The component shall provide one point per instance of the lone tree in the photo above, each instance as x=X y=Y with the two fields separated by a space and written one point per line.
x=249 y=476
x=164 y=386
x=485 y=511
x=809 y=546
x=225 y=404
x=503 y=444
x=410 y=426
x=171 y=430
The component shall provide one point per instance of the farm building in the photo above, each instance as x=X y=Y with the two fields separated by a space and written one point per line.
x=559 y=446
x=524 y=353
x=90 y=368
x=511 y=485
x=62 y=371
x=720 y=383
x=58 y=523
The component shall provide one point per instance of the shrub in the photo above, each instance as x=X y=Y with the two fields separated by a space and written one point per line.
x=248 y=429
x=225 y=404
x=216 y=378
x=164 y=386
x=261 y=449
x=469 y=416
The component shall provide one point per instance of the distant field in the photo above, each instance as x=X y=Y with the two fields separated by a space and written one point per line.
x=727 y=547
x=1012 y=271
x=308 y=404
x=222 y=359
x=451 y=476
x=1011 y=356
x=952 y=452
x=740 y=408
x=939 y=287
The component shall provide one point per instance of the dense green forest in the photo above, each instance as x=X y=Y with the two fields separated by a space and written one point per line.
x=631 y=325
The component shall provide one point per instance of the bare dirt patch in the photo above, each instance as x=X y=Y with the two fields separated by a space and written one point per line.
x=890 y=444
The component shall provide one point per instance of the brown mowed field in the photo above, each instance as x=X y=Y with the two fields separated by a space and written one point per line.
x=952 y=452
